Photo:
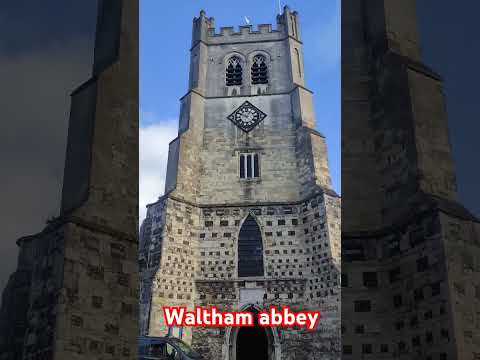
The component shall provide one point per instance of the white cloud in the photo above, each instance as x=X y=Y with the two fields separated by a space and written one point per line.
x=153 y=152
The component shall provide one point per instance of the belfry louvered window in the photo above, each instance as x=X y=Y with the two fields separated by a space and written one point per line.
x=233 y=75
x=250 y=249
x=259 y=70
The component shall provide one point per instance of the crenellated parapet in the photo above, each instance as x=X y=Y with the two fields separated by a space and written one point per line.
x=246 y=33
x=204 y=30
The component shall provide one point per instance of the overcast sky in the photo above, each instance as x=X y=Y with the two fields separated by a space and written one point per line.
x=45 y=52
x=451 y=46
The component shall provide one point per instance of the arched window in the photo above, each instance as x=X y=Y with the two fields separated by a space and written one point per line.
x=299 y=64
x=259 y=70
x=233 y=73
x=250 y=249
x=293 y=22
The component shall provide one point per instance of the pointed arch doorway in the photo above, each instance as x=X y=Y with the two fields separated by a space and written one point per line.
x=252 y=343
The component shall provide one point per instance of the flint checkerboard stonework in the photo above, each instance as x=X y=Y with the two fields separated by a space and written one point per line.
x=190 y=237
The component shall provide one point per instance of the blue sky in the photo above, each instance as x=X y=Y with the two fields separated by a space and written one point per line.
x=165 y=39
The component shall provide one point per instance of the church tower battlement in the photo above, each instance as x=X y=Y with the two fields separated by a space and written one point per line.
x=249 y=218
x=204 y=29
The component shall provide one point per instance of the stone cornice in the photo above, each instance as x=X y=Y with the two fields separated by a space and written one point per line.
x=56 y=223
x=437 y=204
x=206 y=43
x=328 y=192
x=252 y=279
x=412 y=64
x=105 y=229
x=295 y=87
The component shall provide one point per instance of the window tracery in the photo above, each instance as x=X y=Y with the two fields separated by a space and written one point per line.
x=250 y=249
x=259 y=70
x=233 y=73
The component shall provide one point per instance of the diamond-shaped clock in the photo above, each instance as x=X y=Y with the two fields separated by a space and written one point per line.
x=247 y=116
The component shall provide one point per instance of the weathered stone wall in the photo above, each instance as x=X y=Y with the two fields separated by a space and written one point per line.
x=191 y=259
x=28 y=314
x=402 y=276
x=186 y=172
x=46 y=264
x=98 y=300
x=361 y=199
x=172 y=255
x=408 y=248
x=394 y=120
x=81 y=293
x=434 y=156
x=277 y=57
x=79 y=276
x=273 y=139
x=462 y=243
x=113 y=192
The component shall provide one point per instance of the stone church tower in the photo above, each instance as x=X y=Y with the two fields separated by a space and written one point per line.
x=249 y=218
x=410 y=251
x=74 y=294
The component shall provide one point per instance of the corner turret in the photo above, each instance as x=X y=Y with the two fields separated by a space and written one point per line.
x=201 y=26
x=289 y=21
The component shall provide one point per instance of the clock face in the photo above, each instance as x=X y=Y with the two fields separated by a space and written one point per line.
x=247 y=116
